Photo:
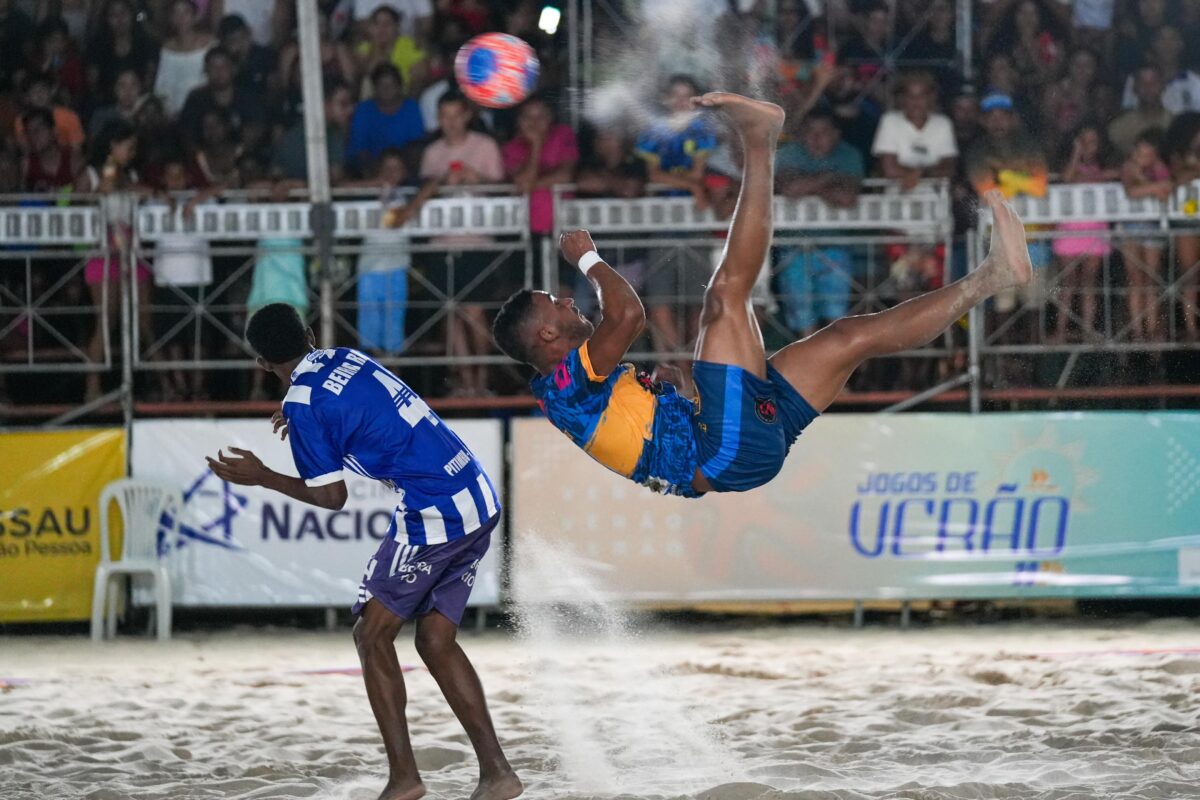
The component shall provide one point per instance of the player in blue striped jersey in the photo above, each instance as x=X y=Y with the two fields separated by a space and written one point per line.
x=345 y=411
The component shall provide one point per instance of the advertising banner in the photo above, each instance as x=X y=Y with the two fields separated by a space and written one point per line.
x=912 y=506
x=50 y=484
x=249 y=546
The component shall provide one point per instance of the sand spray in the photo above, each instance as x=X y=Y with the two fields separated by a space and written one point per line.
x=616 y=724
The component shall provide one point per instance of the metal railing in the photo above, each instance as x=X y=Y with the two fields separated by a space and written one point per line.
x=47 y=247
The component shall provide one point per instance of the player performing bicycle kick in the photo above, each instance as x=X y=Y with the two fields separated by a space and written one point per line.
x=749 y=408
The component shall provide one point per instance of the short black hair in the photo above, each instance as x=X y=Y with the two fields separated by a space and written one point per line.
x=453 y=95
x=231 y=23
x=117 y=130
x=386 y=70
x=506 y=330
x=42 y=115
x=277 y=333
x=822 y=113
x=686 y=80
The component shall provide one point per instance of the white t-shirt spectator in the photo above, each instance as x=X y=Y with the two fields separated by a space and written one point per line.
x=409 y=10
x=1094 y=14
x=913 y=146
x=1182 y=93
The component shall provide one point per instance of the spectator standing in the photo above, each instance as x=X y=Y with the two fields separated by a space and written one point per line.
x=388 y=119
x=416 y=16
x=120 y=44
x=814 y=282
x=253 y=63
x=218 y=153
x=1137 y=28
x=243 y=109
x=110 y=174
x=337 y=64
x=868 y=50
x=1144 y=174
x=935 y=47
x=1148 y=113
x=1182 y=90
x=1181 y=146
x=1035 y=37
x=56 y=56
x=385 y=44
x=1080 y=257
x=183 y=268
x=181 y=61
x=382 y=286
x=290 y=159
x=544 y=152
x=263 y=18
x=48 y=165
x=915 y=141
x=677 y=148
x=458 y=159
x=126 y=92
x=1079 y=95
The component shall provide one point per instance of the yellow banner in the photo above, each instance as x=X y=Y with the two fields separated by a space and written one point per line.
x=50 y=484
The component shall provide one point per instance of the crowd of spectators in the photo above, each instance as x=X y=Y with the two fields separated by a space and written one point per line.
x=184 y=101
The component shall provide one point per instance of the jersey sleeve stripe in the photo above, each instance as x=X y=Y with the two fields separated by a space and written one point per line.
x=299 y=394
x=586 y=359
x=324 y=480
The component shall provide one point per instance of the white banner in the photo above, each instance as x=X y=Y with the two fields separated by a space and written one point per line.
x=248 y=546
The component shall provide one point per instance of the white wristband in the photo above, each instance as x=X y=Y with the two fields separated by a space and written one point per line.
x=588 y=260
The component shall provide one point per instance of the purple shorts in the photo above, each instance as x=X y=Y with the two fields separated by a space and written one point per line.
x=412 y=580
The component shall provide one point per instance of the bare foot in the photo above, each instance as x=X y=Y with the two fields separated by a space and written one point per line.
x=407 y=790
x=1007 y=264
x=500 y=787
x=753 y=118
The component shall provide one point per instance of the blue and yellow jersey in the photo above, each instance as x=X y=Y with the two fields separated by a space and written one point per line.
x=623 y=423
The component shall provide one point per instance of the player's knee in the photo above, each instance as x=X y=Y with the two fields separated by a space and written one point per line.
x=845 y=334
x=370 y=636
x=721 y=298
x=432 y=643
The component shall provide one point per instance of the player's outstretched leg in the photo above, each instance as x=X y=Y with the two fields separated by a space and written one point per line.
x=819 y=366
x=448 y=664
x=375 y=637
x=729 y=332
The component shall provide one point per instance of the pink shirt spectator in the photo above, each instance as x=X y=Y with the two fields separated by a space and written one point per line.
x=478 y=151
x=560 y=147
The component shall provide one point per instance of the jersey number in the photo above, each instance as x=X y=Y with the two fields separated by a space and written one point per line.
x=412 y=408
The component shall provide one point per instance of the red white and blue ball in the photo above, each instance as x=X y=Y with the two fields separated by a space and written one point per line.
x=496 y=70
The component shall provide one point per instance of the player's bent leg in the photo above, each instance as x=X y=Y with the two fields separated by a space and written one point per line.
x=375 y=639
x=729 y=333
x=438 y=647
x=819 y=366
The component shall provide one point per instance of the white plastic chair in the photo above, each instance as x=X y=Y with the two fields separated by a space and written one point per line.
x=142 y=504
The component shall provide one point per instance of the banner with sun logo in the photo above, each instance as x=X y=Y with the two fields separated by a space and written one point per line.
x=911 y=506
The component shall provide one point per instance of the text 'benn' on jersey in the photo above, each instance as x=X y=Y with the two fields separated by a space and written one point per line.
x=347 y=411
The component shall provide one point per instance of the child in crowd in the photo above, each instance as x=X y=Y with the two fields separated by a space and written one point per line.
x=1145 y=176
x=1080 y=257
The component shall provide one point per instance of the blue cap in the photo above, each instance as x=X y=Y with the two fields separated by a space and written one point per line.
x=996 y=102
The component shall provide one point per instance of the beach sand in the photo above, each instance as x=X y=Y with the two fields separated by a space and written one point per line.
x=1051 y=710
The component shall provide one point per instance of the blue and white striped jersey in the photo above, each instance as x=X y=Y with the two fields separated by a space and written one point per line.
x=346 y=411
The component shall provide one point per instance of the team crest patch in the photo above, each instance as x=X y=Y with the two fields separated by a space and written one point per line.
x=766 y=410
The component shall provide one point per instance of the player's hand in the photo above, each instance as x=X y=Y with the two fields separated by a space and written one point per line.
x=574 y=244
x=279 y=425
x=245 y=469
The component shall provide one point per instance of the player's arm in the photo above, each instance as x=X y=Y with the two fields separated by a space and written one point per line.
x=246 y=469
x=622 y=316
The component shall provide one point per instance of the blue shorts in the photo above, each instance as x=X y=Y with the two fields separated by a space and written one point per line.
x=745 y=425
x=412 y=580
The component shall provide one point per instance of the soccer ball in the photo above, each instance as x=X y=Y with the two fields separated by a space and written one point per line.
x=496 y=70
